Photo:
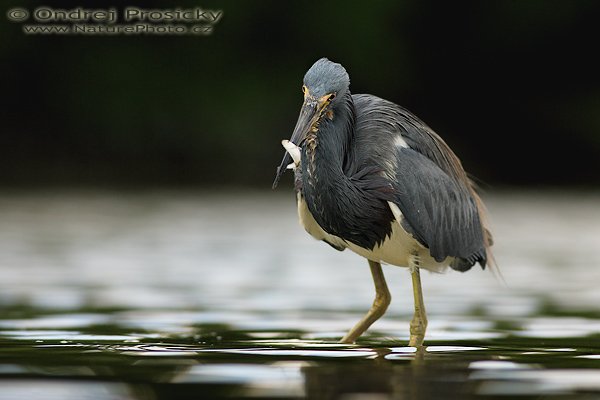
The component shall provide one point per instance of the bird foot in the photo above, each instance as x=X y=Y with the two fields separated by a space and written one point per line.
x=347 y=340
x=416 y=340
x=418 y=326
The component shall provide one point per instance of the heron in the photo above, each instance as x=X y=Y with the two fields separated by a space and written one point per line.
x=371 y=177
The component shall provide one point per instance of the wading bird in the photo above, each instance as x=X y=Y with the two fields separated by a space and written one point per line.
x=372 y=177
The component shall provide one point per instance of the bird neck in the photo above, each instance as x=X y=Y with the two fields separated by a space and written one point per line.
x=328 y=149
x=324 y=157
x=342 y=202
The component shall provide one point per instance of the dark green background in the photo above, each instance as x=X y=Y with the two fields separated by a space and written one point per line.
x=513 y=87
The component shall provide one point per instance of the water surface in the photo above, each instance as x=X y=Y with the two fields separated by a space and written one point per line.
x=176 y=295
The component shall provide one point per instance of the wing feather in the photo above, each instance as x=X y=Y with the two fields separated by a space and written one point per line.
x=439 y=202
x=441 y=214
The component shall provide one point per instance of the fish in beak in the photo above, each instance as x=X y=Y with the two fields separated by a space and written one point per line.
x=310 y=113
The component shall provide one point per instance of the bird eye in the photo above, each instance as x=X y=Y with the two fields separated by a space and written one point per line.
x=331 y=97
x=303 y=89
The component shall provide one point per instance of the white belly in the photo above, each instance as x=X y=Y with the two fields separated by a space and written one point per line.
x=399 y=249
x=402 y=250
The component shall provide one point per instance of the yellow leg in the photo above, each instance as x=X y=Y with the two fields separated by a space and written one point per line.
x=380 y=304
x=418 y=325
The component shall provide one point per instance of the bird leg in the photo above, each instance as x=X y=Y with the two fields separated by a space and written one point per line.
x=418 y=325
x=380 y=304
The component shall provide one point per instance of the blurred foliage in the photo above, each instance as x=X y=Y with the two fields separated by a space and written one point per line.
x=513 y=87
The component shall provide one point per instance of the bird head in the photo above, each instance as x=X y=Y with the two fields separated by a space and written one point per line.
x=324 y=85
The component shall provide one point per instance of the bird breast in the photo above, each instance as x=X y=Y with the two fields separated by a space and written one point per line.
x=399 y=248
x=311 y=226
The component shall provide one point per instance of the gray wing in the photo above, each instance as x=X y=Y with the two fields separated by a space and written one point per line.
x=431 y=188
x=439 y=212
x=389 y=119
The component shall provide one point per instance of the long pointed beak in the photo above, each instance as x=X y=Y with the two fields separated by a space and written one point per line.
x=309 y=115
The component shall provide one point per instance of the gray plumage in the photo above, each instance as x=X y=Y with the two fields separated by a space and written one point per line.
x=367 y=152
x=370 y=176
x=430 y=186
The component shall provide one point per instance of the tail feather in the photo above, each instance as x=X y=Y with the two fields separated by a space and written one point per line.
x=488 y=239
